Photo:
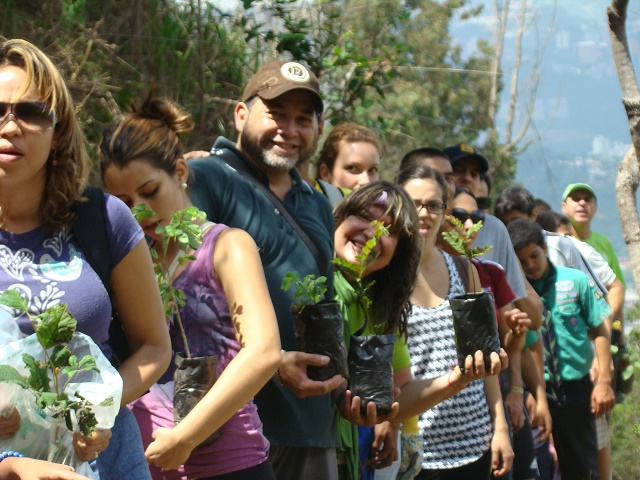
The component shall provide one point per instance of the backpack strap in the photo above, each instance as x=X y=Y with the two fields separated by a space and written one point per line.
x=90 y=230
x=462 y=266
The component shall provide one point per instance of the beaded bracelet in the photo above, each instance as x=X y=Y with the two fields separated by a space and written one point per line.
x=515 y=389
x=276 y=375
x=8 y=454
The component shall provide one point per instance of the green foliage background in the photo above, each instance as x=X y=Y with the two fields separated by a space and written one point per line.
x=391 y=65
x=625 y=420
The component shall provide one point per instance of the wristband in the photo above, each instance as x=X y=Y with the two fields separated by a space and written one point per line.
x=8 y=454
x=516 y=389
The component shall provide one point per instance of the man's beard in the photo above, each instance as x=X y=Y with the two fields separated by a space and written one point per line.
x=265 y=158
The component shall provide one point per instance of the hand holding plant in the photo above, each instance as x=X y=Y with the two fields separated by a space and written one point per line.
x=193 y=377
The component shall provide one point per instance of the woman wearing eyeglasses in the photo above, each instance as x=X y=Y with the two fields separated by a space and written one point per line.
x=43 y=174
x=465 y=436
x=512 y=327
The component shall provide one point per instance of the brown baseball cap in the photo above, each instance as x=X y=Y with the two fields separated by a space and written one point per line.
x=278 y=77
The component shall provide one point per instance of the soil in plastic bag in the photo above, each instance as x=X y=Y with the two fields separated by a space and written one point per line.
x=475 y=326
x=319 y=329
x=192 y=379
x=371 y=371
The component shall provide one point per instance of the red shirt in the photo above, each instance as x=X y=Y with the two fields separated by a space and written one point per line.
x=494 y=280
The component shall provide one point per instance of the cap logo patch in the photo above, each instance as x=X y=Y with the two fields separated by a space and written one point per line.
x=464 y=147
x=295 y=72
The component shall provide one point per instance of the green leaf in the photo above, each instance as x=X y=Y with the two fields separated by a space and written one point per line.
x=288 y=280
x=60 y=356
x=11 y=375
x=55 y=326
x=88 y=363
x=46 y=399
x=38 y=373
x=67 y=420
x=13 y=299
x=627 y=372
x=142 y=212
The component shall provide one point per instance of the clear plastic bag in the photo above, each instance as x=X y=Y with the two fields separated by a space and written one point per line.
x=9 y=330
x=40 y=435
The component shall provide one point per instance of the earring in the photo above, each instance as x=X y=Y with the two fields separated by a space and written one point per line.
x=184 y=186
x=55 y=163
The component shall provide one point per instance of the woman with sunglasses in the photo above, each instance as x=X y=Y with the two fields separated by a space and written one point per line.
x=43 y=174
x=465 y=436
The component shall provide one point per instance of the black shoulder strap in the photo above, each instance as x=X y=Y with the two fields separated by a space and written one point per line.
x=90 y=230
x=240 y=167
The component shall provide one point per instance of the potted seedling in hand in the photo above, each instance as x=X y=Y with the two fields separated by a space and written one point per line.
x=318 y=325
x=55 y=377
x=194 y=376
x=474 y=318
x=370 y=356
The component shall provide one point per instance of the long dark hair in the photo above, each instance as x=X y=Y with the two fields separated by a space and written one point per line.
x=394 y=283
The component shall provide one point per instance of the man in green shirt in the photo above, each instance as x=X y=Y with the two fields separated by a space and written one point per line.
x=580 y=204
x=576 y=312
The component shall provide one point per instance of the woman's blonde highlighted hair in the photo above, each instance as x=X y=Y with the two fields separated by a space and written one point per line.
x=68 y=162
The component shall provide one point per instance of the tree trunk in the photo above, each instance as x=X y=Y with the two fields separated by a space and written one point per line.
x=628 y=173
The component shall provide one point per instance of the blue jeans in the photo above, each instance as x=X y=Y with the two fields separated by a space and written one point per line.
x=124 y=458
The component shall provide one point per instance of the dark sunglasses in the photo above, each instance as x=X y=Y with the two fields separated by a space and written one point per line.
x=31 y=115
x=463 y=215
x=484 y=203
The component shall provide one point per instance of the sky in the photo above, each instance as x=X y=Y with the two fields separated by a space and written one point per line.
x=579 y=126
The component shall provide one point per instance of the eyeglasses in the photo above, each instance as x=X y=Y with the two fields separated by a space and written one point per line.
x=463 y=215
x=36 y=116
x=435 y=208
x=484 y=203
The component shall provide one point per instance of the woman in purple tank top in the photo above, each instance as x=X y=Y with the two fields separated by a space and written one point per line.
x=142 y=162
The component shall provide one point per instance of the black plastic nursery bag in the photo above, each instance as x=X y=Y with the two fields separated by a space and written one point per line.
x=475 y=326
x=192 y=379
x=371 y=370
x=319 y=329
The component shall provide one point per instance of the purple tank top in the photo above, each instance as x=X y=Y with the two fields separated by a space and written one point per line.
x=209 y=331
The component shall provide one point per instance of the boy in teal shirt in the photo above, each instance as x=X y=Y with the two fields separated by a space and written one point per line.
x=576 y=311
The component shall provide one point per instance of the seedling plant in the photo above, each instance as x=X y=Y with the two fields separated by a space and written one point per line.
x=48 y=380
x=460 y=240
x=354 y=271
x=184 y=230
x=309 y=291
